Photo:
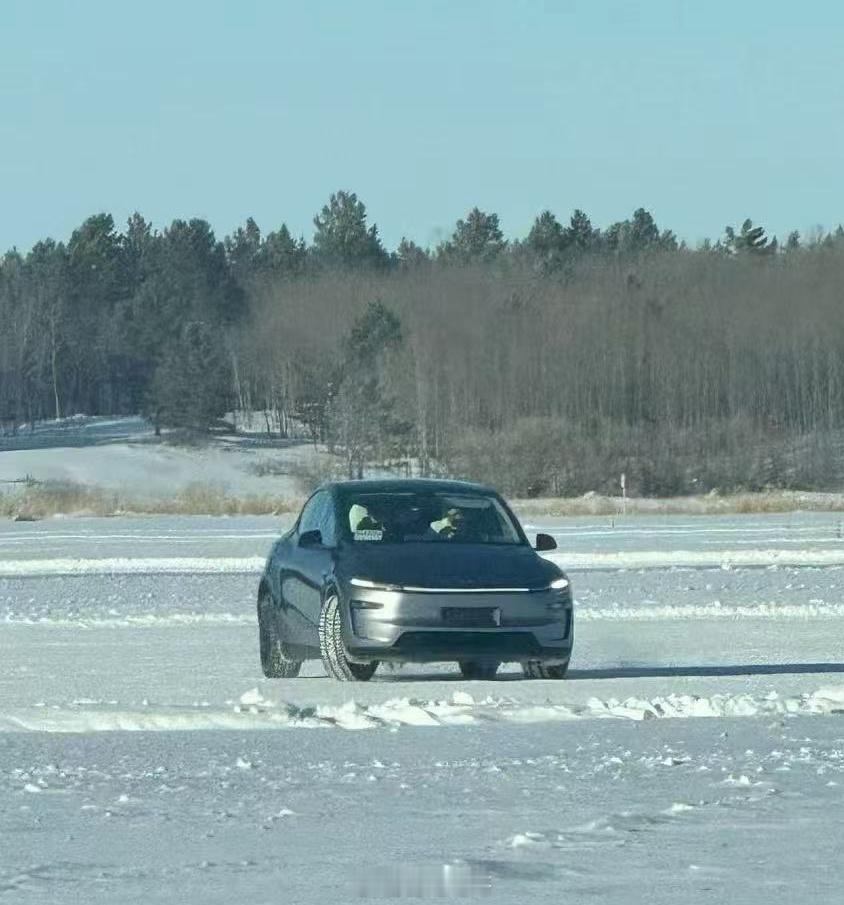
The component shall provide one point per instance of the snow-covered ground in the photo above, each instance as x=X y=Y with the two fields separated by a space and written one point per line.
x=123 y=454
x=695 y=754
x=724 y=810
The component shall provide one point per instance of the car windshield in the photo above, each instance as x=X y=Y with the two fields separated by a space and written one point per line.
x=429 y=517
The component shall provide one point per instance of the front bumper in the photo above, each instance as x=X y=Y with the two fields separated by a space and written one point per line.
x=429 y=626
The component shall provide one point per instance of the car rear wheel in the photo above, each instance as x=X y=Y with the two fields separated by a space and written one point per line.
x=333 y=651
x=478 y=669
x=536 y=669
x=275 y=662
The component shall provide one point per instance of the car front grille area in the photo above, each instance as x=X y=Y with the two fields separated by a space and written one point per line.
x=449 y=644
x=457 y=618
x=471 y=617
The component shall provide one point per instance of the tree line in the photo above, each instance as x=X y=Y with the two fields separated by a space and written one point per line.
x=547 y=365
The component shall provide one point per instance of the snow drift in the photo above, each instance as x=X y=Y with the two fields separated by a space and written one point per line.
x=255 y=711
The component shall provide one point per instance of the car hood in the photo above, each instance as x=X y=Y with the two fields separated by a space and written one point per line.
x=445 y=565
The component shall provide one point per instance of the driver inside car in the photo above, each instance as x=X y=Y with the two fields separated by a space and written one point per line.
x=452 y=524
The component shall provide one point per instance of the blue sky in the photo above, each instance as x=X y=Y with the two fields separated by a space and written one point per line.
x=705 y=113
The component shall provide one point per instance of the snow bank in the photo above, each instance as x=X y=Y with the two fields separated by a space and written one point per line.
x=660 y=559
x=255 y=711
x=640 y=559
x=144 y=620
x=162 y=565
x=631 y=559
x=777 y=612
x=714 y=610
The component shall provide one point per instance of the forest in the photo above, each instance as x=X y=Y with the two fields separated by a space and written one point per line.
x=548 y=365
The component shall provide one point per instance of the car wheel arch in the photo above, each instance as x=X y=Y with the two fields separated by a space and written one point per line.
x=330 y=587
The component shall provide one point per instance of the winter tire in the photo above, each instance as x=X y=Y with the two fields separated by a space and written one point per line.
x=275 y=662
x=333 y=651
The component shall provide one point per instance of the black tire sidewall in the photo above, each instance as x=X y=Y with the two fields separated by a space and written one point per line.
x=275 y=662
x=332 y=648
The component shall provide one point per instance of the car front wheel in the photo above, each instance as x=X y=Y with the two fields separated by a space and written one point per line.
x=333 y=651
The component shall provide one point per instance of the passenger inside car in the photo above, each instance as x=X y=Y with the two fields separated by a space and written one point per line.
x=452 y=524
x=362 y=520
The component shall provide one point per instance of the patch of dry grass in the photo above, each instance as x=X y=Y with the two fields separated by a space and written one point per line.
x=34 y=501
x=705 y=504
x=31 y=501
x=206 y=499
x=309 y=474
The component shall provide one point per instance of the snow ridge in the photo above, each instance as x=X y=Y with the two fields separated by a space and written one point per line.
x=254 y=711
x=630 y=559
x=161 y=565
x=584 y=613
x=660 y=559
x=713 y=610
x=144 y=620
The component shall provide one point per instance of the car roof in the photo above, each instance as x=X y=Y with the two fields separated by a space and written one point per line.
x=406 y=485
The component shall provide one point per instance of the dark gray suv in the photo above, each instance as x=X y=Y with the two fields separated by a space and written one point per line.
x=412 y=570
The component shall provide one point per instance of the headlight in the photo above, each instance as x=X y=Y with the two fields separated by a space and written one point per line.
x=559 y=584
x=374 y=585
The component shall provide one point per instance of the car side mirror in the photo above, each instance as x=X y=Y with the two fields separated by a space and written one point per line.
x=311 y=538
x=545 y=542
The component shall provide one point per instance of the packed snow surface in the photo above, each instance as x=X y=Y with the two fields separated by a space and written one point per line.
x=695 y=754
